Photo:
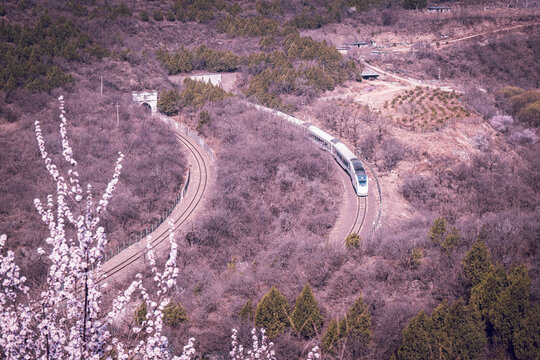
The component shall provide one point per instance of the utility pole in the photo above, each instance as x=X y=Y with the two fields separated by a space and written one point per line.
x=101 y=85
x=117 y=114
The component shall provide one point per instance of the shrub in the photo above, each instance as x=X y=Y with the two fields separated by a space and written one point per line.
x=174 y=314
x=437 y=231
x=204 y=119
x=157 y=15
x=273 y=313
x=143 y=15
x=198 y=93
x=140 y=314
x=501 y=122
x=170 y=15
x=352 y=241
x=415 y=258
x=169 y=102
x=530 y=114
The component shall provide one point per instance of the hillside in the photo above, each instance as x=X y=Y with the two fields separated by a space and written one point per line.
x=449 y=128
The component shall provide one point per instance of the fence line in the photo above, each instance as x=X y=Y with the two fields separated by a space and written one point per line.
x=192 y=134
x=131 y=240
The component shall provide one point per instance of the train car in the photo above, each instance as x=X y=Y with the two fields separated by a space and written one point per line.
x=353 y=166
x=321 y=138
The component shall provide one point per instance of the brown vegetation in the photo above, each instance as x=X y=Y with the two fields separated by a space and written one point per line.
x=153 y=170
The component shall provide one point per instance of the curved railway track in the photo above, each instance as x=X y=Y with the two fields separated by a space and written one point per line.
x=137 y=251
x=360 y=218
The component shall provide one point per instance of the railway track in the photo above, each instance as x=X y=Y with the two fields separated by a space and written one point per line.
x=179 y=216
x=360 y=218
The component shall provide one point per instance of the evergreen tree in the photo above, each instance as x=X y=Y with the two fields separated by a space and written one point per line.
x=437 y=231
x=169 y=102
x=452 y=332
x=306 y=317
x=414 y=4
x=352 y=241
x=417 y=341
x=273 y=313
x=485 y=294
x=512 y=304
x=526 y=340
x=140 y=313
x=358 y=333
x=477 y=262
x=174 y=314
x=451 y=240
x=458 y=330
x=331 y=337
x=246 y=312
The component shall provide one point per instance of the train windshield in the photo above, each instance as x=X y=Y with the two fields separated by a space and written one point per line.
x=359 y=171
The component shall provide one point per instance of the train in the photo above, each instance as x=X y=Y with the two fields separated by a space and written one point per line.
x=341 y=153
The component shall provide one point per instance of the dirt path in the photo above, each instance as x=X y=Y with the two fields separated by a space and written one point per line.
x=453 y=41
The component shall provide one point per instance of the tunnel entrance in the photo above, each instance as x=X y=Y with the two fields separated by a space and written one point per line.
x=147 y=108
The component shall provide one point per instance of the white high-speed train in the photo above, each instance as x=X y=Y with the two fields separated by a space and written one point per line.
x=344 y=157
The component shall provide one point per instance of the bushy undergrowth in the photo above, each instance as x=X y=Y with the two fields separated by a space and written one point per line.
x=525 y=105
x=304 y=67
x=29 y=55
x=153 y=170
x=202 y=58
x=194 y=93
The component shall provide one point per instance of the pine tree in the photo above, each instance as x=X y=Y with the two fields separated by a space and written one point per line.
x=246 y=312
x=437 y=231
x=417 y=341
x=485 y=294
x=512 y=304
x=273 y=313
x=526 y=340
x=451 y=240
x=458 y=331
x=140 y=313
x=331 y=337
x=306 y=317
x=174 y=314
x=352 y=241
x=169 y=102
x=358 y=320
x=477 y=262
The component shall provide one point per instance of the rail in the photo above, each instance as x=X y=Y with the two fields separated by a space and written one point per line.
x=298 y=123
x=192 y=134
x=131 y=240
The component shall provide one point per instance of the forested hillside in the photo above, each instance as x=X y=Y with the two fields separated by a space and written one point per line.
x=449 y=131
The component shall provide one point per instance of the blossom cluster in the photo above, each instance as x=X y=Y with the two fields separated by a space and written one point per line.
x=66 y=320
